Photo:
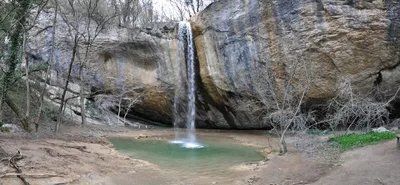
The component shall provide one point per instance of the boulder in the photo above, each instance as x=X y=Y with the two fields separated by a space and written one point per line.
x=11 y=128
x=380 y=130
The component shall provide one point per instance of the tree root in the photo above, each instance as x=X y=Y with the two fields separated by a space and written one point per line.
x=35 y=176
x=53 y=153
x=13 y=163
x=80 y=148
x=380 y=181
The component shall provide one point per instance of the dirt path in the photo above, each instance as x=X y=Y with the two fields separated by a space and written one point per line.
x=376 y=164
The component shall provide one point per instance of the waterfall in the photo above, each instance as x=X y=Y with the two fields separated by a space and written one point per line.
x=178 y=89
x=191 y=115
x=185 y=44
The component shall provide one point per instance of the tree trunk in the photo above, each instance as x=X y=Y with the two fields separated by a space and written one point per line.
x=28 y=88
x=82 y=97
x=119 y=107
x=28 y=93
x=60 y=111
x=1 y=106
x=17 y=111
x=42 y=94
x=48 y=68
x=282 y=146
x=82 y=82
x=12 y=60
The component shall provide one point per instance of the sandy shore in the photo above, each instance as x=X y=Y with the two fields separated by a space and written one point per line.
x=85 y=156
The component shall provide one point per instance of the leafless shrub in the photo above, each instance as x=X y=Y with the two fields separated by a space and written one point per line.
x=348 y=110
x=279 y=103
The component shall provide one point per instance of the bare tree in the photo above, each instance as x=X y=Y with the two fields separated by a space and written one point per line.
x=28 y=93
x=181 y=9
x=50 y=61
x=125 y=102
x=287 y=110
x=92 y=30
x=278 y=105
x=133 y=13
x=85 y=21
x=188 y=8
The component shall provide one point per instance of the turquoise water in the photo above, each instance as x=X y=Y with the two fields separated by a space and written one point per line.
x=215 y=156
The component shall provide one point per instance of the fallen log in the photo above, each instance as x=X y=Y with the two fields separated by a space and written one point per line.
x=13 y=163
x=80 y=148
x=34 y=176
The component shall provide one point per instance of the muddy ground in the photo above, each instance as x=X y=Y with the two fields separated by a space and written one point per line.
x=84 y=156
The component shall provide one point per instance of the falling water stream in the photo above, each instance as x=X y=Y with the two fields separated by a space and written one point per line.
x=185 y=44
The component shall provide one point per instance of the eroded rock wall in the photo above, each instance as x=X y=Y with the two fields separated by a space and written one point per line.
x=137 y=65
x=247 y=51
x=247 y=47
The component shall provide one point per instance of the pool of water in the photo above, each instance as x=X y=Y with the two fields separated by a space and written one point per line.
x=215 y=157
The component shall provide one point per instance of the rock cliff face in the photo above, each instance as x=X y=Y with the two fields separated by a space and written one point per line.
x=248 y=50
x=142 y=69
x=131 y=68
x=247 y=47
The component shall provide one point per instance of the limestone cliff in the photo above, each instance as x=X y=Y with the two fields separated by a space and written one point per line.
x=247 y=49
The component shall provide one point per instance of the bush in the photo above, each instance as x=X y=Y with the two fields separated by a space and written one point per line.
x=351 y=110
x=347 y=142
x=359 y=113
x=4 y=129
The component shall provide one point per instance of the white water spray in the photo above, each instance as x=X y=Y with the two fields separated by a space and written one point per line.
x=185 y=40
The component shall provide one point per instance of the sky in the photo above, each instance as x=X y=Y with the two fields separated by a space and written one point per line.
x=166 y=7
x=163 y=6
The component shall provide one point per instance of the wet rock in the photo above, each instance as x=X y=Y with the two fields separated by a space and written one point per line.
x=142 y=137
x=11 y=128
x=380 y=130
x=267 y=150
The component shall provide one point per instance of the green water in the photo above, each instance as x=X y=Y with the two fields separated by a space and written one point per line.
x=216 y=156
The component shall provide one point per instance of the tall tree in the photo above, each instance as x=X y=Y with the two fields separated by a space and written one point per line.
x=12 y=58
x=91 y=32
x=50 y=60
